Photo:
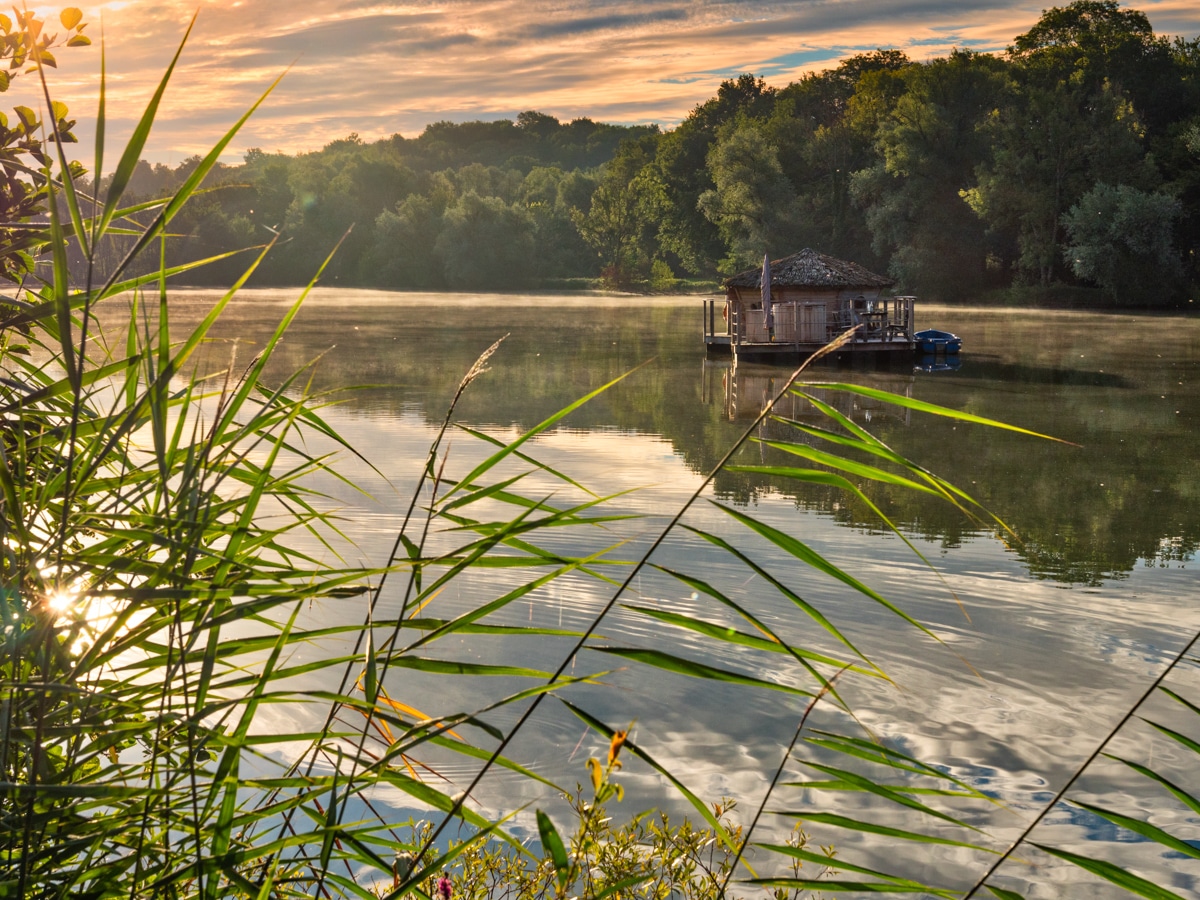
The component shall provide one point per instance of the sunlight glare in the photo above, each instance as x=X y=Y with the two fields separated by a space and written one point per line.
x=61 y=600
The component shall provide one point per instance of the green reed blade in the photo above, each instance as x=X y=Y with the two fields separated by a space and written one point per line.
x=837 y=864
x=510 y=449
x=932 y=409
x=1114 y=874
x=814 y=476
x=59 y=286
x=810 y=557
x=680 y=666
x=1179 y=738
x=887 y=792
x=834 y=461
x=450 y=667
x=474 y=615
x=1145 y=829
x=1187 y=799
x=839 y=821
x=729 y=635
x=878 y=753
x=63 y=386
x=815 y=614
x=137 y=141
x=549 y=470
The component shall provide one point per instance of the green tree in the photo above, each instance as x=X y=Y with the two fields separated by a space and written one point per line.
x=1122 y=239
x=1096 y=41
x=404 y=249
x=681 y=164
x=551 y=196
x=621 y=221
x=486 y=243
x=929 y=145
x=752 y=202
x=1050 y=145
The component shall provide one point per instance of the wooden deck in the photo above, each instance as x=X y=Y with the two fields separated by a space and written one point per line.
x=801 y=331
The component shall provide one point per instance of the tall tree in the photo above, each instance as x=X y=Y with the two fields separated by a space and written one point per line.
x=681 y=163
x=1092 y=42
x=1051 y=144
x=621 y=221
x=752 y=202
x=1122 y=239
x=929 y=145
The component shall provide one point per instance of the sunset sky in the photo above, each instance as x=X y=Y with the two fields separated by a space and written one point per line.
x=378 y=68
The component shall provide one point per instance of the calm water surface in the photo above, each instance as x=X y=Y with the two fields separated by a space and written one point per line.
x=1057 y=627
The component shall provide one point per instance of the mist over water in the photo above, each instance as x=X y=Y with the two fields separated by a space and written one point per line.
x=1045 y=634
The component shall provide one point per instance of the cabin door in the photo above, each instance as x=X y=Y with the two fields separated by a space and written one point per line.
x=811 y=324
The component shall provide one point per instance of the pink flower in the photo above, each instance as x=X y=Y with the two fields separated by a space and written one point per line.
x=445 y=889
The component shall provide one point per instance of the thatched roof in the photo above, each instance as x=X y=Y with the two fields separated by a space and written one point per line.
x=808 y=268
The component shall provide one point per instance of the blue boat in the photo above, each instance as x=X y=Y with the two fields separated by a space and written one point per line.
x=933 y=341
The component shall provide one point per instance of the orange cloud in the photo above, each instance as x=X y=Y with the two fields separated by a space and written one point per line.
x=379 y=68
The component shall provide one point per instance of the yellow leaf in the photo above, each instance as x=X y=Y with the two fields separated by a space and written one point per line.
x=70 y=17
x=593 y=765
x=618 y=740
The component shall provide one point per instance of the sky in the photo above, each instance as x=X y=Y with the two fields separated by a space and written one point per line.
x=378 y=68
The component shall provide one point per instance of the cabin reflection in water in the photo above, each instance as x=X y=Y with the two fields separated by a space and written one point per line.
x=809 y=300
x=744 y=392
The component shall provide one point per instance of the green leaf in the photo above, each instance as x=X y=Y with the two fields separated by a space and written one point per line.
x=681 y=666
x=837 y=864
x=137 y=141
x=733 y=636
x=1145 y=829
x=79 y=40
x=554 y=845
x=871 y=828
x=449 y=667
x=887 y=792
x=810 y=557
x=931 y=408
x=27 y=116
x=1114 y=874
x=1188 y=800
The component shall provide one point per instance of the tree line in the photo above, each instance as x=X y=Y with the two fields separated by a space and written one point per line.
x=1068 y=164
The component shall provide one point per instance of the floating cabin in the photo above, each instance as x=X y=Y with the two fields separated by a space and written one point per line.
x=813 y=299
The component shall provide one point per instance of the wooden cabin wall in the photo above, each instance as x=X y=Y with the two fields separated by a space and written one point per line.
x=805 y=315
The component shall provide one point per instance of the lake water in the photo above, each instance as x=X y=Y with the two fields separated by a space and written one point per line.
x=1055 y=632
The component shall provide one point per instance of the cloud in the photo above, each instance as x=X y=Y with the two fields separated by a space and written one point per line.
x=380 y=67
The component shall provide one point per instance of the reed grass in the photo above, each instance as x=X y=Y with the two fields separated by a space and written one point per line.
x=155 y=602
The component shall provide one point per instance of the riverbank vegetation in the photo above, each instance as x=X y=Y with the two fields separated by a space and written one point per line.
x=1063 y=171
x=180 y=718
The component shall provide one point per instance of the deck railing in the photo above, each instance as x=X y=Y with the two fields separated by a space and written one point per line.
x=886 y=320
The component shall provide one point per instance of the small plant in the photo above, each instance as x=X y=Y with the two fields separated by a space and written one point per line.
x=650 y=857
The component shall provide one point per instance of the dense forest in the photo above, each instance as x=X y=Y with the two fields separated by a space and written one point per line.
x=1066 y=169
